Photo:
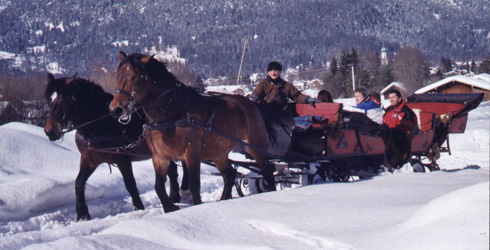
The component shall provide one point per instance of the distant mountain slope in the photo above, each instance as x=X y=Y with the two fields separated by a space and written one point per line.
x=83 y=35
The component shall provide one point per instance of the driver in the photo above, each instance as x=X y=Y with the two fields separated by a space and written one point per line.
x=272 y=95
x=275 y=91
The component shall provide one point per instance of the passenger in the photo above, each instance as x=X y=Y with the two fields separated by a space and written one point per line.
x=398 y=115
x=363 y=100
x=375 y=97
x=368 y=105
x=324 y=96
x=401 y=123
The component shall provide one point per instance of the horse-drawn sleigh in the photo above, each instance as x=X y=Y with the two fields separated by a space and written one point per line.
x=340 y=145
x=182 y=124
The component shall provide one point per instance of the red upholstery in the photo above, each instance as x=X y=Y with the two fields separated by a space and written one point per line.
x=438 y=108
x=331 y=111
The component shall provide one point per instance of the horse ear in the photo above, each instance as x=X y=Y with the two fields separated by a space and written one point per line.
x=147 y=59
x=71 y=79
x=122 y=55
x=50 y=77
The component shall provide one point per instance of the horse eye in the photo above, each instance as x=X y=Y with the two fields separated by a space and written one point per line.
x=133 y=78
x=73 y=97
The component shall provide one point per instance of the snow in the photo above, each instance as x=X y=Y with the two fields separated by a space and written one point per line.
x=6 y=55
x=120 y=43
x=479 y=82
x=168 y=54
x=54 y=68
x=447 y=209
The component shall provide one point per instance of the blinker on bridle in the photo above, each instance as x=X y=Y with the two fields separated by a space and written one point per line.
x=125 y=118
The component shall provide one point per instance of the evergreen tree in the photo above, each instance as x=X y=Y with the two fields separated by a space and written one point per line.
x=484 y=66
x=449 y=65
x=380 y=78
x=473 y=66
x=442 y=65
x=333 y=66
x=344 y=63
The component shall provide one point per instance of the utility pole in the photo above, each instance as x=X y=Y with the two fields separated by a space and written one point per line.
x=241 y=63
x=353 y=79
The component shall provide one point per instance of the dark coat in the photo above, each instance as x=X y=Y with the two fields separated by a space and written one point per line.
x=277 y=92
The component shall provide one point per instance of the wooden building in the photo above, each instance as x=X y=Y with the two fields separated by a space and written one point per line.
x=460 y=84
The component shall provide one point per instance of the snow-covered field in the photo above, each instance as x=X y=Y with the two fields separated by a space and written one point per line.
x=447 y=209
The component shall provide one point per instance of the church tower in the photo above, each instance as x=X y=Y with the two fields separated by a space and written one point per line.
x=384 y=57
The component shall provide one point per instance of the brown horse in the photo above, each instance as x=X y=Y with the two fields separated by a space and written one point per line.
x=99 y=137
x=185 y=125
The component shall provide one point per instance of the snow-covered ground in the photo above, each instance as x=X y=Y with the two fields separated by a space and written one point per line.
x=447 y=209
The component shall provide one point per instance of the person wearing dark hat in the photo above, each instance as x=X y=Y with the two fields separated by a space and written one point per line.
x=272 y=96
x=274 y=90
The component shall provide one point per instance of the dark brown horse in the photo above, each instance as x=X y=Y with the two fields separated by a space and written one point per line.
x=99 y=137
x=185 y=125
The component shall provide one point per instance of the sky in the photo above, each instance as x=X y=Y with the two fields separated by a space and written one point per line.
x=447 y=209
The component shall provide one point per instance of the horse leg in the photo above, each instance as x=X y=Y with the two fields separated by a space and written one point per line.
x=185 y=177
x=86 y=169
x=229 y=176
x=266 y=169
x=174 y=183
x=161 y=170
x=194 y=170
x=127 y=173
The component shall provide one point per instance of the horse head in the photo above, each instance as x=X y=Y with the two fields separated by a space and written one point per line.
x=135 y=77
x=59 y=99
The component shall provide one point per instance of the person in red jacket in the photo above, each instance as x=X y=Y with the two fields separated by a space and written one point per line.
x=401 y=122
x=398 y=115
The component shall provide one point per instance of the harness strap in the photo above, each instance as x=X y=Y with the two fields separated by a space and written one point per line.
x=85 y=124
x=207 y=127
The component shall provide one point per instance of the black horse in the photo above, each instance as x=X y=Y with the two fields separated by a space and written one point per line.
x=100 y=138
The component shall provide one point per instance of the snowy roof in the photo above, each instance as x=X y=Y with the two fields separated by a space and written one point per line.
x=473 y=81
x=483 y=76
x=5 y=104
x=394 y=84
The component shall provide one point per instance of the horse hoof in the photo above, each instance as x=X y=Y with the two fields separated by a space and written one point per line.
x=136 y=208
x=175 y=197
x=186 y=195
x=83 y=217
x=170 y=208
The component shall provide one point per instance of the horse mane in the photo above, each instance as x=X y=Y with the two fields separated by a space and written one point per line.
x=80 y=88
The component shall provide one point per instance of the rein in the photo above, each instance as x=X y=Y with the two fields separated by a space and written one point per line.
x=84 y=124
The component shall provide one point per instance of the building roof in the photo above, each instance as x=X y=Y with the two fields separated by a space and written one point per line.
x=483 y=76
x=472 y=81
x=398 y=85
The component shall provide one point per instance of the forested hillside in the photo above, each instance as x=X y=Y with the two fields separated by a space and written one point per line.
x=86 y=35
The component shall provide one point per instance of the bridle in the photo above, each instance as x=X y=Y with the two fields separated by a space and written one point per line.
x=61 y=120
x=125 y=118
x=133 y=106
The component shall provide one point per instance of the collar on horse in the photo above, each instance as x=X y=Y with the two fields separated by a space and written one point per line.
x=152 y=125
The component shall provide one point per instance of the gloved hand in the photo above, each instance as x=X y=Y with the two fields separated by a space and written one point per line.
x=312 y=101
x=254 y=98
